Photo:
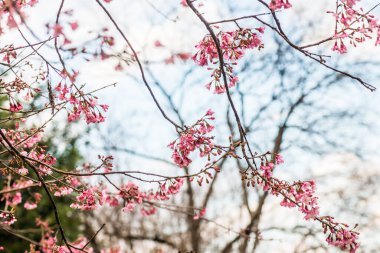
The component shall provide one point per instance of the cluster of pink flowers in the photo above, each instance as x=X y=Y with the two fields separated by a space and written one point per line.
x=106 y=163
x=9 y=53
x=129 y=195
x=7 y=218
x=45 y=160
x=341 y=237
x=14 y=89
x=68 y=188
x=301 y=194
x=14 y=198
x=15 y=107
x=193 y=138
x=353 y=26
x=169 y=188
x=27 y=141
x=89 y=199
x=85 y=105
x=268 y=166
x=279 y=4
x=78 y=244
x=132 y=196
x=48 y=243
x=216 y=79
x=267 y=169
x=33 y=201
x=233 y=45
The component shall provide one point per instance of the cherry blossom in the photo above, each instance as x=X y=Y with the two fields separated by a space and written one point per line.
x=193 y=138
x=279 y=4
x=233 y=45
x=353 y=25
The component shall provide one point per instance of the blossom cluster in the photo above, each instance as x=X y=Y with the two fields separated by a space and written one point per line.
x=301 y=194
x=28 y=143
x=9 y=53
x=279 y=4
x=193 y=138
x=129 y=195
x=233 y=46
x=353 y=25
x=81 y=105
x=7 y=218
x=339 y=235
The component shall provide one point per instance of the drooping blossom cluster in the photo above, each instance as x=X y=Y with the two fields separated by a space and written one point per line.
x=89 y=199
x=353 y=25
x=233 y=46
x=217 y=83
x=279 y=4
x=301 y=194
x=81 y=105
x=8 y=53
x=340 y=235
x=193 y=138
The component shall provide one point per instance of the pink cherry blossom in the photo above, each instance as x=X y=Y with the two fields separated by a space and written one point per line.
x=279 y=4
x=233 y=45
x=191 y=139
